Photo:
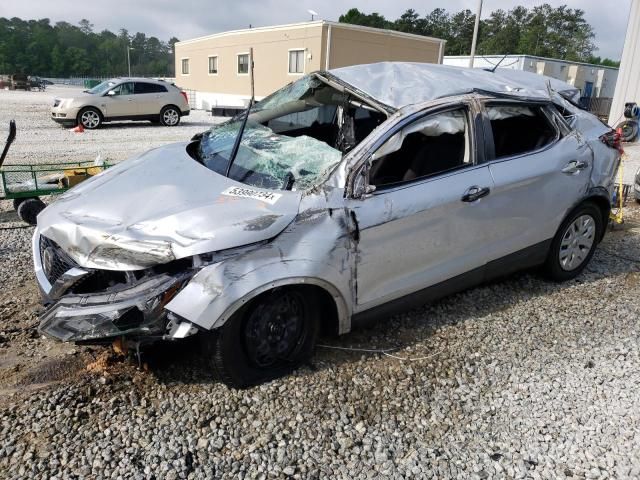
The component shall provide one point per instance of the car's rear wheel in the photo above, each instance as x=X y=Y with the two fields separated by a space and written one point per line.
x=170 y=116
x=29 y=208
x=574 y=243
x=17 y=202
x=268 y=338
x=89 y=118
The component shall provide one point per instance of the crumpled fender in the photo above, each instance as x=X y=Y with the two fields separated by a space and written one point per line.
x=219 y=290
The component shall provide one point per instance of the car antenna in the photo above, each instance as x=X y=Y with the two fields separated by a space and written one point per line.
x=10 y=139
x=236 y=144
x=495 y=67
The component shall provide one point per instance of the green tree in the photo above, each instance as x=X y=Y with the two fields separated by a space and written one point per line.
x=462 y=25
x=437 y=24
x=543 y=30
x=355 y=17
x=408 y=22
x=38 y=48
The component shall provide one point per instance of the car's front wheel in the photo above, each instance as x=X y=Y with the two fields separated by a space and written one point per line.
x=268 y=338
x=170 y=116
x=574 y=243
x=89 y=118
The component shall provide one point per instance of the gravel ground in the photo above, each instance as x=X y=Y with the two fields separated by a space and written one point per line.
x=515 y=379
x=40 y=139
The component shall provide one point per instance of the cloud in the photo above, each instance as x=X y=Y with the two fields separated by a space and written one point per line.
x=191 y=18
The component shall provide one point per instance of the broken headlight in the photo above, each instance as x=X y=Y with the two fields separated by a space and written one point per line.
x=132 y=309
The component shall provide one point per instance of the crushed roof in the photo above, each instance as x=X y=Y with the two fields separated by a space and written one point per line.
x=397 y=84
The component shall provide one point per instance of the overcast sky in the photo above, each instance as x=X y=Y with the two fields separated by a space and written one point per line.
x=191 y=18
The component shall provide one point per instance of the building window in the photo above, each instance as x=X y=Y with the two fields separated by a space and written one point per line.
x=213 y=65
x=296 y=61
x=243 y=63
x=185 y=66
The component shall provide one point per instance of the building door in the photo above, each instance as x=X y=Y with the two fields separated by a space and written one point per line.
x=588 y=89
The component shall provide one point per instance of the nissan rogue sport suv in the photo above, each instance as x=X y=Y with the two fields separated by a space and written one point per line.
x=347 y=195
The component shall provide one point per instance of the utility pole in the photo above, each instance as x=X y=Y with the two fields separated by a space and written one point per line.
x=129 y=60
x=475 y=34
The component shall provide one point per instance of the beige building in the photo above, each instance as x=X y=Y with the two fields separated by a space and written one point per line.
x=217 y=66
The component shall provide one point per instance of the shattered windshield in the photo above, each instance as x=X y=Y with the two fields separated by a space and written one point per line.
x=292 y=139
x=102 y=87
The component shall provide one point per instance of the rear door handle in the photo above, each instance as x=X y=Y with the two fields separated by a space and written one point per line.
x=475 y=193
x=574 y=166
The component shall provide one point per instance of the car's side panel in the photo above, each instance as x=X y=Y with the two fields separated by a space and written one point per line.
x=533 y=195
x=121 y=105
x=419 y=235
x=317 y=248
x=150 y=103
x=523 y=259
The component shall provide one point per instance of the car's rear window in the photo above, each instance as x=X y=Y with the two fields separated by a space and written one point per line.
x=143 y=87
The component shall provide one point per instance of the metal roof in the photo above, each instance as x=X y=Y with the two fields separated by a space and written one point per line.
x=398 y=84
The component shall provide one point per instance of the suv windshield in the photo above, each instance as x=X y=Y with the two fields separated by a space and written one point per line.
x=103 y=87
x=293 y=138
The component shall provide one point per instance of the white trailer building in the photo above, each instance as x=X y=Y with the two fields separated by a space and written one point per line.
x=594 y=81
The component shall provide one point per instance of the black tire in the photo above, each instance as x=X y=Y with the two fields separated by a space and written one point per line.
x=17 y=202
x=629 y=129
x=554 y=268
x=90 y=118
x=29 y=209
x=170 y=116
x=240 y=361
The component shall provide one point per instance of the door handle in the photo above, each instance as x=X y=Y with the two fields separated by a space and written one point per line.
x=475 y=193
x=574 y=166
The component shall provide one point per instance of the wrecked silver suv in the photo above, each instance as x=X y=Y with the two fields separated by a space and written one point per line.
x=343 y=196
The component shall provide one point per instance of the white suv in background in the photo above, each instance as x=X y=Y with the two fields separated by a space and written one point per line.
x=123 y=99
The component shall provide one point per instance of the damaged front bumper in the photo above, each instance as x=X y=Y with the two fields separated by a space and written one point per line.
x=135 y=310
x=92 y=306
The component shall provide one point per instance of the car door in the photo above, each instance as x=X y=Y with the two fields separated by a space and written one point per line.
x=428 y=219
x=540 y=169
x=122 y=103
x=149 y=97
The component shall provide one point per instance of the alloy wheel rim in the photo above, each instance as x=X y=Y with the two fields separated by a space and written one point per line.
x=577 y=242
x=90 y=119
x=170 y=117
x=274 y=330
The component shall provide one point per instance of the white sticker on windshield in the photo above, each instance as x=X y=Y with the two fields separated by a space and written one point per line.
x=269 y=197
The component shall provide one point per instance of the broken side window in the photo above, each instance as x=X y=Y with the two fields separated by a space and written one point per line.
x=519 y=129
x=432 y=145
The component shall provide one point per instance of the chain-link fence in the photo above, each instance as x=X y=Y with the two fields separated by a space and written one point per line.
x=79 y=81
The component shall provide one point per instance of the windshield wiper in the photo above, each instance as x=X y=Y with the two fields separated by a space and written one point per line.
x=236 y=144
x=289 y=180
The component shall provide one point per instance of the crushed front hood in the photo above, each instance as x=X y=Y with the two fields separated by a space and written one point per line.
x=159 y=207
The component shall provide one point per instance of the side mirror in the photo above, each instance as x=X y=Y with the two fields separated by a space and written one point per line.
x=111 y=93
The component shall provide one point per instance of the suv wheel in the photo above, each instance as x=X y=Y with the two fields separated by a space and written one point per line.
x=268 y=338
x=170 y=116
x=29 y=208
x=574 y=243
x=89 y=118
